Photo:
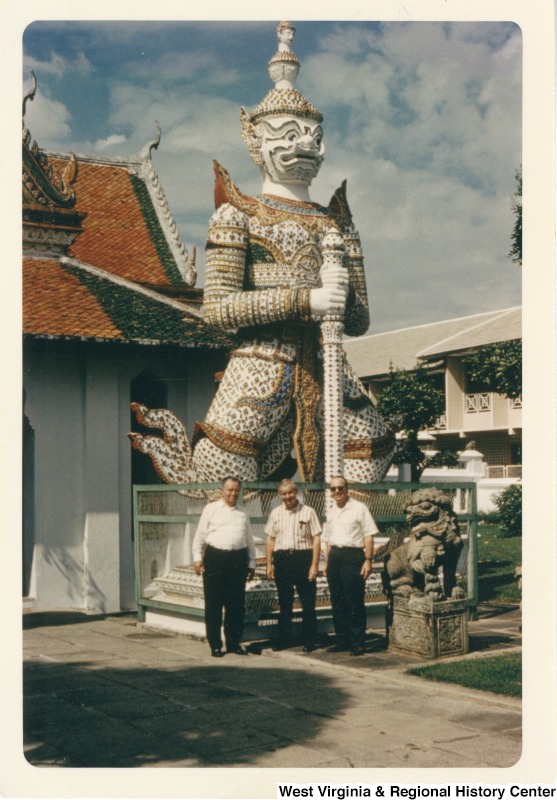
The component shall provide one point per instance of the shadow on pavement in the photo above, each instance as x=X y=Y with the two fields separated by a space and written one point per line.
x=44 y=619
x=86 y=714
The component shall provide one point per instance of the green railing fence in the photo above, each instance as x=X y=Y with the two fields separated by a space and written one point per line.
x=165 y=519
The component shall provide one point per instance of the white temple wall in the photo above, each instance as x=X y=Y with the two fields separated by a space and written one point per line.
x=54 y=406
x=78 y=494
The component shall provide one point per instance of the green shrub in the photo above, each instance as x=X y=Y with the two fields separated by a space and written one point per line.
x=444 y=458
x=509 y=506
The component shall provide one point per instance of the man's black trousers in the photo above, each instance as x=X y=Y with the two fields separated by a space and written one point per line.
x=347 y=587
x=291 y=572
x=224 y=585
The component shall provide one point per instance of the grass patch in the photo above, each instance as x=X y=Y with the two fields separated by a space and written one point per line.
x=499 y=674
x=497 y=560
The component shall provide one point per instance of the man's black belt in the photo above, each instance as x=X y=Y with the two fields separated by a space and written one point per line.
x=346 y=547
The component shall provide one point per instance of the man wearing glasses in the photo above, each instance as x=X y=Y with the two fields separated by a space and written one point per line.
x=293 y=551
x=349 y=536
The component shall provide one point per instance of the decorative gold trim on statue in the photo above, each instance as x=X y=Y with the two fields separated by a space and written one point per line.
x=374 y=448
x=307 y=394
x=339 y=208
x=226 y=191
x=236 y=443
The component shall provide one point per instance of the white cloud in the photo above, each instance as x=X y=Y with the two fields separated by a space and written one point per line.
x=110 y=141
x=424 y=121
x=57 y=65
x=49 y=117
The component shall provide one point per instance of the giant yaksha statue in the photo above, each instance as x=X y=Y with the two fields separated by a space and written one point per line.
x=266 y=281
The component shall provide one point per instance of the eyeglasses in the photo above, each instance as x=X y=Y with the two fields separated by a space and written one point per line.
x=334 y=489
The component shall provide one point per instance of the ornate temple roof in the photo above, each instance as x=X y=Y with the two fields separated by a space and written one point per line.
x=102 y=256
x=66 y=299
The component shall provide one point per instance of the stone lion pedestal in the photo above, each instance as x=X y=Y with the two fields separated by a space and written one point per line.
x=429 y=629
x=428 y=610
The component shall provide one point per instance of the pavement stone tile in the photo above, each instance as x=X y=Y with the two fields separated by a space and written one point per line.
x=114 y=744
x=408 y=757
x=191 y=720
x=112 y=666
x=47 y=755
x=216 y=742
x=488 y=720
x=293 y=756
x=450 y=705
x=289 y=725
x=81 y=656
x=372 y=750
x=146 y=706
x=315 y=703
x=425 y=728
x=53 y=714
x=63 y=683
x=208 y=696
x=484 y=751
x=97 y=695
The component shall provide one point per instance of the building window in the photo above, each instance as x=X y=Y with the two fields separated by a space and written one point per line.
x=478 y=402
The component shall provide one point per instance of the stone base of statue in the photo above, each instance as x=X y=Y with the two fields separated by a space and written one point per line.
x=429 y=629
x=176 y=602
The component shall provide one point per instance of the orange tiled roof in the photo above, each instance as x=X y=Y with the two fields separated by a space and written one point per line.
x=67 y=299
x=120 y=232
x=119 y=279
x=58 y=304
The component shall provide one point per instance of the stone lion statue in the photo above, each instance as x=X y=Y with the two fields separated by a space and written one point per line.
x=425 y=565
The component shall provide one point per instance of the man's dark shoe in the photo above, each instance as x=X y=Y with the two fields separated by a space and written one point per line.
x=217 y=652
x=359 y=650
x=308 y=648
x=238 y=650
x=279 y=645
x=337 y=648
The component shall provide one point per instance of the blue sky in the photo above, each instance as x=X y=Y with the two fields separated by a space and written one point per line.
x=422 y=118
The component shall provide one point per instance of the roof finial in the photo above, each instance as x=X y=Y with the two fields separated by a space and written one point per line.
x=30 y=95
x=152 y=145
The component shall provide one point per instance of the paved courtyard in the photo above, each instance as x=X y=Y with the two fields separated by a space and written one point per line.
x=105 y=691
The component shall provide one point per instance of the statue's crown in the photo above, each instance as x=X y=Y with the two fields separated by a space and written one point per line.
x=284 y=102
x=284 y=99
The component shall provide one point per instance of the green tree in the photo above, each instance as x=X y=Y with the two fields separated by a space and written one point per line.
x=413 y=397
x=509 y=505
x=499 y=367
x=516 y=238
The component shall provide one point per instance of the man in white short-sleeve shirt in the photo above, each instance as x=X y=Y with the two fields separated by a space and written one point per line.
x=224 y=553
x=348 y=536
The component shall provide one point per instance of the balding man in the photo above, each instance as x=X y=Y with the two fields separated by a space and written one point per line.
x=224 y=553
x=293 y=551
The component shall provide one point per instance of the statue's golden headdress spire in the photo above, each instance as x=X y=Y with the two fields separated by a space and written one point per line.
x=284 y=99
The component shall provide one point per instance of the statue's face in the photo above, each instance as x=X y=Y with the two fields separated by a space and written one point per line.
x=292 y=149
x=286 y=36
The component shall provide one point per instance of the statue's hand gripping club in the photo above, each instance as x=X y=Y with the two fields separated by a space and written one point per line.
x=330 y=298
